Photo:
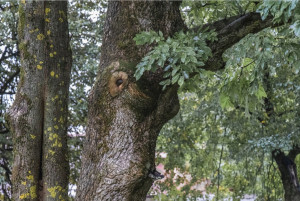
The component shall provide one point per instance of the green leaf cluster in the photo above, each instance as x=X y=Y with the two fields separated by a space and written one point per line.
x=281 y=10
x=248 y=63
x=179 y=56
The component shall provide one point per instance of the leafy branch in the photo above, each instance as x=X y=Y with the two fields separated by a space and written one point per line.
x=179 y=56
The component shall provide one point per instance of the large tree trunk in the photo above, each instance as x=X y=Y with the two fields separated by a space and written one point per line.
x=126 y=116
x=288 y=171
x=38 y=117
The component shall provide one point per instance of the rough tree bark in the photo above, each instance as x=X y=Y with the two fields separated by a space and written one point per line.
x=126 y=116
x=38 y=117
x=288 y=172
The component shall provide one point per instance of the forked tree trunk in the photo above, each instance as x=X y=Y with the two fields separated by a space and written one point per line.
x=126 y=116
x=288 y=172
x=38 y=117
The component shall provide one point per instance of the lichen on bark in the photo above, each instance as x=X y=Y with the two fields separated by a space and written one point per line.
x=34 y=109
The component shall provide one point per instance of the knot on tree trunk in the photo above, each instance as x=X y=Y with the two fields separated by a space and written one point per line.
x=118 y=81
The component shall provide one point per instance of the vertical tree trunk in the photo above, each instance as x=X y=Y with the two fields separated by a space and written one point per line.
x=288 y=171
x=38 y=117
x=126 y=116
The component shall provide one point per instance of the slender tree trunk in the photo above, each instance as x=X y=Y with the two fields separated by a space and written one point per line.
x=38 y=117
x=126 y=116
x=289 y=178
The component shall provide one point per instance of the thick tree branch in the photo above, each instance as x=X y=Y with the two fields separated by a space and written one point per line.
x=230 y=31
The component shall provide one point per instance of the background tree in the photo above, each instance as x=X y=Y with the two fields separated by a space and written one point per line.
x=9 y=71
x=82 y=78
x=38 y=117
x=86 y=19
